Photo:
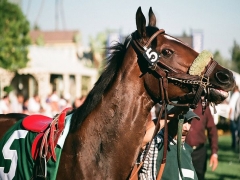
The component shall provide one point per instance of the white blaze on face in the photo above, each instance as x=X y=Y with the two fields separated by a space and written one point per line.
x=172 y=38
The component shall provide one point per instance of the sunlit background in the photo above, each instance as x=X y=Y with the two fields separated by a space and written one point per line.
x=61 y=53
x=67 y=39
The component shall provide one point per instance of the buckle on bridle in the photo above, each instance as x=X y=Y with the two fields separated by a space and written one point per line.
x=153 y=67
x=204 y=81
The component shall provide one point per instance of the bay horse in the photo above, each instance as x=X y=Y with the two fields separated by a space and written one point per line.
x=151 y=67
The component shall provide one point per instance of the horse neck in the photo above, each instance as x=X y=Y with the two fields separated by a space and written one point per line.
x=124 y=108
x=115 y=129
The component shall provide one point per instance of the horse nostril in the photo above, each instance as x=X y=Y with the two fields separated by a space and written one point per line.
x=222 y=77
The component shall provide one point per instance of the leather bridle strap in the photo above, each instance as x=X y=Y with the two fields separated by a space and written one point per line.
x=179 y=143
x=163 y=86
x=202 y=85
x=141 y=48
x=162 y=73
x=165 y=146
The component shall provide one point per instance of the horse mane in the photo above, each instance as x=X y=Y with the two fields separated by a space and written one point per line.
x=113 y=64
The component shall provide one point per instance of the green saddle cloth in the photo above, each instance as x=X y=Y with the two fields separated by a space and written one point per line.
x=16 y=162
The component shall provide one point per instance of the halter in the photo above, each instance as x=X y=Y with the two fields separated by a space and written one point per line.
x=165 y=73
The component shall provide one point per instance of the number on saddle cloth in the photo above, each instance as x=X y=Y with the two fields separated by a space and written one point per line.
x=16 y=160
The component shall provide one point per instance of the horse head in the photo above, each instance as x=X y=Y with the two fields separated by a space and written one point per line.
x=173 y=71
x=182 y=71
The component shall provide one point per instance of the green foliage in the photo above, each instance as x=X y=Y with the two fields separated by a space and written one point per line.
x=40 y=40
x=36 y=27
x=234 y=63
x=235 y=52
x=98 y=43
x=7 y=89
x=14 y=37
x=77 y=38
x=223 y=62
x=98 y=48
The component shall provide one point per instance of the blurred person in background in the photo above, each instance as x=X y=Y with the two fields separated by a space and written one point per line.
x=17 y=104
x=54 y=101
x=78 y=102
x=46 y=104
x=5 y=105
x=197 y=139
x=64 y=102
x=34 y=106
x=25 y=106
x=233 y=122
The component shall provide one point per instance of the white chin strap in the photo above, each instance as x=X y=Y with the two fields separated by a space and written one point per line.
x=200 y=63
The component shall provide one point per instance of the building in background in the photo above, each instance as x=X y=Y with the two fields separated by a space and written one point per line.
x=57 y=62
x=195 y=40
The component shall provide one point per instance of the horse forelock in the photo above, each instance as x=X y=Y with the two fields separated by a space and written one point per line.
x=113 y=64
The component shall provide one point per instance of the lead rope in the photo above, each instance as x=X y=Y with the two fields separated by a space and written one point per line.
x=165 y=145
x=179 y=143
x=165 y=138
x=164 y=88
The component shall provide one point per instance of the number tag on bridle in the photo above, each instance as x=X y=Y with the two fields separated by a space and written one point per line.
x=151 y=56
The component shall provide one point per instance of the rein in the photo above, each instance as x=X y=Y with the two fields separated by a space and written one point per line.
x=166 y=73
x=179 y=142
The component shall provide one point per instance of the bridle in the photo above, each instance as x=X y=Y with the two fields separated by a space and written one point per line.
x=166 y=73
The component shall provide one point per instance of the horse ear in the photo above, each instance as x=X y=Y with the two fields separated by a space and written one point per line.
x=141 y=23
x=152 y=18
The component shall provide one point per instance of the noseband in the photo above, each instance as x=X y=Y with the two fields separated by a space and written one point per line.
x=165 y=73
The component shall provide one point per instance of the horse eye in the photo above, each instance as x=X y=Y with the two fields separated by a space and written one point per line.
x=167 y=52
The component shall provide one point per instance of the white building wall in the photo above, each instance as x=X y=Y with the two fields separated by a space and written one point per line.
x=45 y=61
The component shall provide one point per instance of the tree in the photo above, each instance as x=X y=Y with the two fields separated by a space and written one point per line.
x=98 y=46
x=235 y=51
x=14 y=37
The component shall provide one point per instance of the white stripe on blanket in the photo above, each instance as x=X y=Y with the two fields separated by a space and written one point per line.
x=62 y=138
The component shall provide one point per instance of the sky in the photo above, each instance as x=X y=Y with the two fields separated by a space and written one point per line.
x=219 y=20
